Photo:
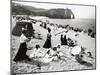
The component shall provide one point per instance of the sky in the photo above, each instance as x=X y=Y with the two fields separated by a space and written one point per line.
x=79 y=11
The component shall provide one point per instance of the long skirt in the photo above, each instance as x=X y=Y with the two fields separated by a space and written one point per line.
x=21 y=54
x=47 y=43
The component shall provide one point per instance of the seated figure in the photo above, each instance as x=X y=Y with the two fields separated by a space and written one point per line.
x=36 y=52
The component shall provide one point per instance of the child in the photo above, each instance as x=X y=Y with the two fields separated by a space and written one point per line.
x=59 y=53
x=48 y=57
x=36 y=52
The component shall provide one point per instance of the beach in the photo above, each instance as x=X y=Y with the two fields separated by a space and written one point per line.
x=82 y=38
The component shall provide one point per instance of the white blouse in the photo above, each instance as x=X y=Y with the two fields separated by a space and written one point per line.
x=35 y=53
x=22 y=38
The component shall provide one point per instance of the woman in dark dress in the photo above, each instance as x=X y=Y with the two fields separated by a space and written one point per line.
x=21 y=54
x=62 y=40
x=48 y=40
x=65 y=40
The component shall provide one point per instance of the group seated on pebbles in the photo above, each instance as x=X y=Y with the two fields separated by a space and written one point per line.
x=55 y=53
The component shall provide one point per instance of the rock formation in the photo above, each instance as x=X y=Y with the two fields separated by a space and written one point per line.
x=60 y=13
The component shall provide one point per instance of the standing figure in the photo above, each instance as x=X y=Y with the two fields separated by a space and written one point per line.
x=45 y=25
x=21 y=54
x=48 y=40
x=62 y=40
x=65 y=40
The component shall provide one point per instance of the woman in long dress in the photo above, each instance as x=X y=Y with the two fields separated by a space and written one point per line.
x=21 y=54
x=62 y=40
x=65 y=40
x=48 y=40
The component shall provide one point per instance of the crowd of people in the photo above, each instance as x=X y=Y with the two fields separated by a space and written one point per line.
x=53 y=53
x=47 y=24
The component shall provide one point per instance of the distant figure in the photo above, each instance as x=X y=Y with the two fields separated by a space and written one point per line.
x=48 y=40
x=89 y=31
x=93 y=35
x=65 y=40
x=89 y=54
x=70 y=42
x=45 y=25
x=21 y=54
x=62 y=40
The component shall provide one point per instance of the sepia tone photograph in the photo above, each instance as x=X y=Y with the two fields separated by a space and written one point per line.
x=52 y=37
